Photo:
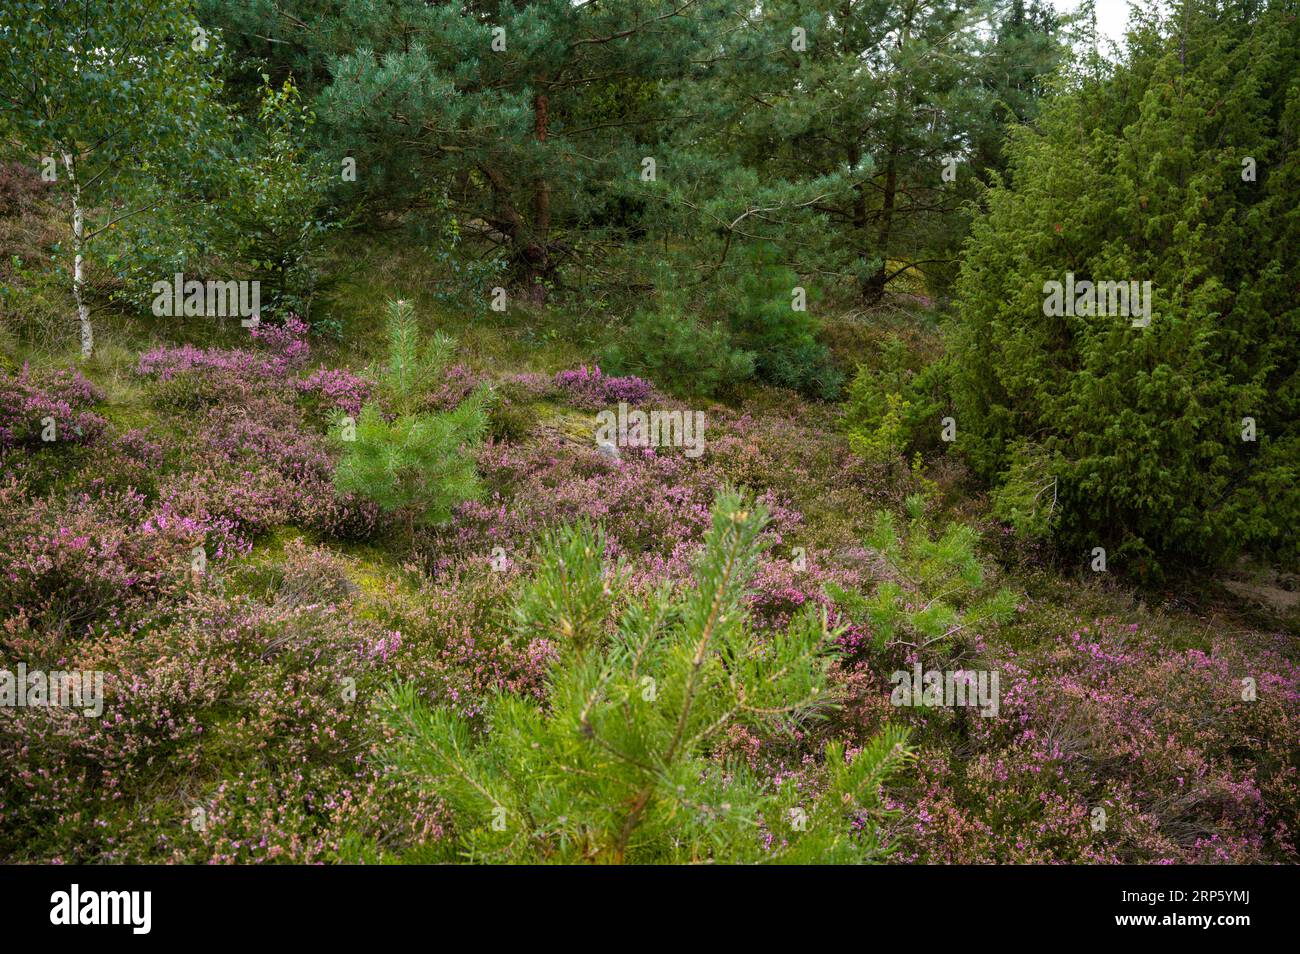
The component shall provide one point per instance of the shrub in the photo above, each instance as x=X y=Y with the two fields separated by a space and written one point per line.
x=618 y=768
x=679 y=352
x=283 y=348
x=275 y=206
x=783 y=340
x=653 y=503
x=510 y=420
x=933 y=586
x=592 y=389
x=249 y=697
x=1027 y=497
x=335 y=389
x=28 y=400
x=1109 y=717
x=884 y=438
x=21 y=189
x=86 y=560
x=1139 y=177
x=895 y=409
x=252 y=455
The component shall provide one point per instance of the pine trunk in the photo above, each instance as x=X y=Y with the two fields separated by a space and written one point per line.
x=539 y=259
x=874 y=287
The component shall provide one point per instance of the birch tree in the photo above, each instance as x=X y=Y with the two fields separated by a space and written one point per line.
x=94 y=92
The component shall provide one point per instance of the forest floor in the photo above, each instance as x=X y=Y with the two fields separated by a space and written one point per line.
x=1137 y=726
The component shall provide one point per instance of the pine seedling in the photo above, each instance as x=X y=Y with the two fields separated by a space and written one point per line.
x=421 y=463
x=413 y=365
x=619 y=765
x=570 y=596
x=933 y=588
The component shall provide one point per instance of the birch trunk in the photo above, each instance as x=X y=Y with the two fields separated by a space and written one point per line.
x=78 y=265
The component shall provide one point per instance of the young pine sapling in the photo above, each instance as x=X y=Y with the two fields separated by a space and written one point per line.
x=619 y=765
x=417 y=462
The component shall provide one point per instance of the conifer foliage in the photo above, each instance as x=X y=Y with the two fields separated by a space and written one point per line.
x=1175 y=440
x=403 y=458
x=933 y=588
x=617 y=768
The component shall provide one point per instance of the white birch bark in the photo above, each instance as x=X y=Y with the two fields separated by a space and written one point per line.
x=78 y=269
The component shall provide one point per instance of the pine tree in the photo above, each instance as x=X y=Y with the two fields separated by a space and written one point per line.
x=1016 y=69
x=499 y=104
x=847 y=112
x=421 y=463
x=533 y=121
x=770 y=316
x=617 y=767
x=933 y=586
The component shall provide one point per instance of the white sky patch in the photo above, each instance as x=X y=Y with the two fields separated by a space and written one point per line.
x=1112 y=16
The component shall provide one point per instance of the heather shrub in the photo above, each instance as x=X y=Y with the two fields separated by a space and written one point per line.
x=255 y=500
x=797 y=456
x=526 y=387
x=274 y=683
x=456 y=641
x=272 y=434
x=85 y=561
x=131 y=460
x=592 y=389
x=334 y=389
x=1112 y=747
x=285 y=339
x=21 y=189
x=632 y=725
x=187 y=391
x=279 y=350
x=653 y=504
x=782 y=588
x=299 y=575
x=57 y=404
x=188 y=379
x=451 y=387
x=254 y=454
x=513 y=413
x=510 y=420
x=287 y=480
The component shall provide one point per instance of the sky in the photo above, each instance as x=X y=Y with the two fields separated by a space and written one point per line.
x=1112 y=15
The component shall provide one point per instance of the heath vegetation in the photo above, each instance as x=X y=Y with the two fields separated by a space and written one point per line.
x=794 y=431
